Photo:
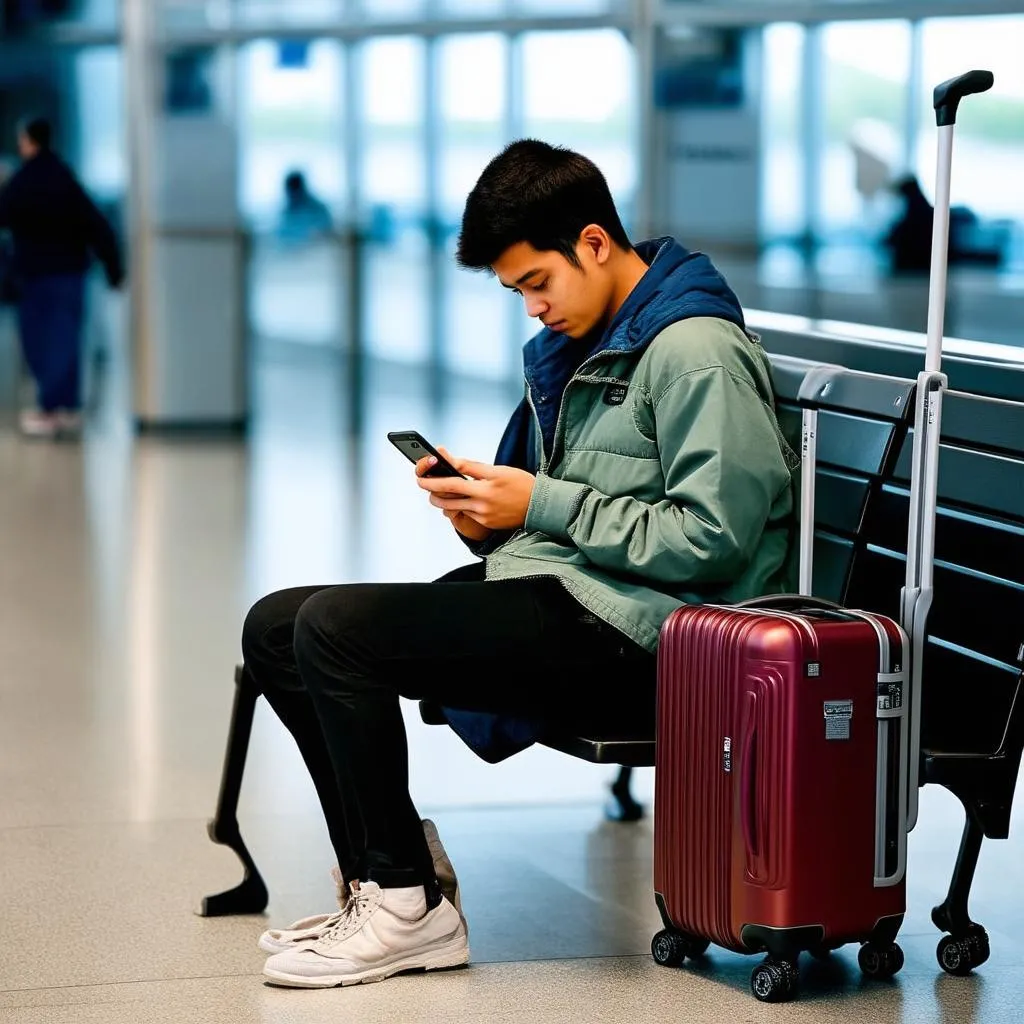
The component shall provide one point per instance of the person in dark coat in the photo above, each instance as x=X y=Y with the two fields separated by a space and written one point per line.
x=56 y=229
x=910 y=237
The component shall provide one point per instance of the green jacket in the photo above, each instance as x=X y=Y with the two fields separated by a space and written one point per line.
x=669 y=481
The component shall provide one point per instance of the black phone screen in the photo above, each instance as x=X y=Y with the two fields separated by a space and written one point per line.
x=414 y=447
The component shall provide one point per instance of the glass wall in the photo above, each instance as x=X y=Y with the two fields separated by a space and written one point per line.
x=102 y=161
x=291 y=121
x=989 y=154
x=594 y=114
x=291 y=103
x=870 y=107
x=418 y=123
x=866 y=70
x=392 y=190
x=472 y=125
x=783 y=188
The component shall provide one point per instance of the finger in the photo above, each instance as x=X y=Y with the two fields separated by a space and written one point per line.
x=450 y=485
x=454 y=505
x=424 y=464
x=477 y=470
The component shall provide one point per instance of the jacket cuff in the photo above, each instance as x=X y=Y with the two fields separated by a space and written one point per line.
x=485 y=547
x=554 y=505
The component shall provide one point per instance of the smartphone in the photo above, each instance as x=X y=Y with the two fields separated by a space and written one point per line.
x=415 y=447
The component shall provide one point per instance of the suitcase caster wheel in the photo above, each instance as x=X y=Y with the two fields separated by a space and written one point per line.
x=774 y=981
x=671 y=948
x=668 y=948
x=880 y=961
x=960 y=956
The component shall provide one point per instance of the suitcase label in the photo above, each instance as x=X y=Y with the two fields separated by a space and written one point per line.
x=838 y=714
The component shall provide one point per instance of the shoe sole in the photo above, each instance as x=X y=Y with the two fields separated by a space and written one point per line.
x=452 y=953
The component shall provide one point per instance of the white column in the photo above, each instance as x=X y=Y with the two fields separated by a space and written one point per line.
x=140 y=98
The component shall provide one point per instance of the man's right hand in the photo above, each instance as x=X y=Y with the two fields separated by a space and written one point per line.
x=464 y=523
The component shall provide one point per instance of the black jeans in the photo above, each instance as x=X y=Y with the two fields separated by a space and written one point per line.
x=333 y=662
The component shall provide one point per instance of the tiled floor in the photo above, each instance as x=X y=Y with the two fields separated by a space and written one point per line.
x=126 y=566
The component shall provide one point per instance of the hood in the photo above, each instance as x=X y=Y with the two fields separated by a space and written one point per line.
x=678 y=285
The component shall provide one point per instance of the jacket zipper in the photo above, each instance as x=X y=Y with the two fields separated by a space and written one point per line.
x=536 y=423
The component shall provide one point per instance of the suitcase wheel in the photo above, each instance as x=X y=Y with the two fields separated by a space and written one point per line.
x=959 y=956
x=880 y=961
x=774 y=981
x=670 y=948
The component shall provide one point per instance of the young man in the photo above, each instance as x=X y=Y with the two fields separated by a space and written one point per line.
x=644 y=469
x=56 y=227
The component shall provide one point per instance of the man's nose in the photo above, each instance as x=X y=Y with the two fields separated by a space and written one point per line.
x=535 y=306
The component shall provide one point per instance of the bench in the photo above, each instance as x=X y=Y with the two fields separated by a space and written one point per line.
x=977 y=367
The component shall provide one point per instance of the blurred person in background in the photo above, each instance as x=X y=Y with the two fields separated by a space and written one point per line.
x=56 y=230
x=304 y=217
x=909 y=240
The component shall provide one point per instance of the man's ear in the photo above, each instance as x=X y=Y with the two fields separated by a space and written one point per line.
x=597 y=242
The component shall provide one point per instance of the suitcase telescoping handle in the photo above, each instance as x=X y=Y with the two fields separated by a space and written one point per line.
x=946 y=99
x=916 y=599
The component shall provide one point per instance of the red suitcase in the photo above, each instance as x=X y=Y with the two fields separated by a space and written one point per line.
x=770 y=833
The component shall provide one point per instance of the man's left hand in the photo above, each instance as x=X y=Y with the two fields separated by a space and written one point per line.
x=496 y=496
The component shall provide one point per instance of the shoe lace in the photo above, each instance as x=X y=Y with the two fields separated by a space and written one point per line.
x=349 y=918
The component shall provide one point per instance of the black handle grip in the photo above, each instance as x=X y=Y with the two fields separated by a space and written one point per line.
x=948 y=95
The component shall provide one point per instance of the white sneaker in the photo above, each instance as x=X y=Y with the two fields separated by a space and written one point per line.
x=69 y=421
x=307 y=929
x=36 y=423
x=381 y=932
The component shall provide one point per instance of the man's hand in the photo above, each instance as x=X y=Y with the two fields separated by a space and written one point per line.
x=467 y=526
x=464 y=524
x=494 y=498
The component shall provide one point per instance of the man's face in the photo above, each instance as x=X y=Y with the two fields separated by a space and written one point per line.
x=26 y=147
x=571 y=300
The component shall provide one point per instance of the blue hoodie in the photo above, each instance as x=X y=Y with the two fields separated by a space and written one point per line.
x=678 y=285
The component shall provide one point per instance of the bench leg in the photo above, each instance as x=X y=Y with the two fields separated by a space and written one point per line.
x=250 y=897
x=622 y=806
x=967 y=944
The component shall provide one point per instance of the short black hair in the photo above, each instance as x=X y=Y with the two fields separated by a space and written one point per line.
x=39 y=130
x=295 y=181
x=537 y=193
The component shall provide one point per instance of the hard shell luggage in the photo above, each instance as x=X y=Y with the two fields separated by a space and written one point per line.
x=781 y=785
x=788 y=740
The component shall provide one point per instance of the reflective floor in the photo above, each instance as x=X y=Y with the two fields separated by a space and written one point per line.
x=126 y=567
